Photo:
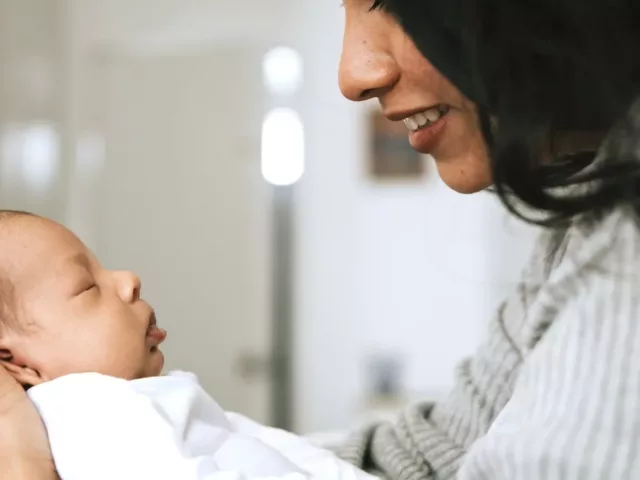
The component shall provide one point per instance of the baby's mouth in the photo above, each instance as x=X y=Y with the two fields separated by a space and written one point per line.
x=155 y=335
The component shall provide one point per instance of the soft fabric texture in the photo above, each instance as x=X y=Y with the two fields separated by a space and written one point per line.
x=167 y=428
x=554 y=392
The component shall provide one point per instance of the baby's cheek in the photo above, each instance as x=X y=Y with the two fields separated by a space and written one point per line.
x=115 y=360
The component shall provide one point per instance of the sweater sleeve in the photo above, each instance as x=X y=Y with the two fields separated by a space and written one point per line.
x=551 y=396
x=431 y=440
x=574 y=411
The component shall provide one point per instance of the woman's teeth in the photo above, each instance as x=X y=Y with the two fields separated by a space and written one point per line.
x=426 y=118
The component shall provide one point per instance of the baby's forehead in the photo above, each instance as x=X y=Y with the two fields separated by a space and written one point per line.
x=33 y=248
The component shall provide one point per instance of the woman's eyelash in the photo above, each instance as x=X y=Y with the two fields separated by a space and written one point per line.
x=377 y=5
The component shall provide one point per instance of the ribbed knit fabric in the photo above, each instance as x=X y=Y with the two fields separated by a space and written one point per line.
x=554 y=392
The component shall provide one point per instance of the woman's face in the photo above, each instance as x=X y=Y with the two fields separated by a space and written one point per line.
x=380 y=60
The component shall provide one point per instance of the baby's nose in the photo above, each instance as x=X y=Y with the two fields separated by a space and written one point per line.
x=129 y=285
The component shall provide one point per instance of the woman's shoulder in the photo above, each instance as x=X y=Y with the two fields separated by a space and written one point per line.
x=608 y=244
x=571 y=266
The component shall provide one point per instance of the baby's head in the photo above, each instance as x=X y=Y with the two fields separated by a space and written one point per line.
x=61 y=312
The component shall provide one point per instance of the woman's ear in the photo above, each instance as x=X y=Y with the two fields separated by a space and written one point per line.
x=23 y=374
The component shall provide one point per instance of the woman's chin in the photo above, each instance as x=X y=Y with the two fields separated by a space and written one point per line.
x=465 y=177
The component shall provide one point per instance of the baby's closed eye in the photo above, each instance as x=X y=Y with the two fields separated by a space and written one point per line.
x=84 y=287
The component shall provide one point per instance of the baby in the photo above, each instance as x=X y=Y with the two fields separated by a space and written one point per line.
x=86 y=346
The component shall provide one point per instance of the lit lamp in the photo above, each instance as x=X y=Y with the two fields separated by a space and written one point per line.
x=282 y=128
x=282 y=165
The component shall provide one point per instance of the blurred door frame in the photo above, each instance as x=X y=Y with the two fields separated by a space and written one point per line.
x=182 y=201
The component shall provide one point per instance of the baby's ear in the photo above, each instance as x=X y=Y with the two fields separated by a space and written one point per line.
x=24 y=375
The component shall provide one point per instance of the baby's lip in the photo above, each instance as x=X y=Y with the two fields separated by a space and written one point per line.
x=155 y=335
x=152 y=319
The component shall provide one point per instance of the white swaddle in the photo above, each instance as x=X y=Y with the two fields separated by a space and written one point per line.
x=167 y=428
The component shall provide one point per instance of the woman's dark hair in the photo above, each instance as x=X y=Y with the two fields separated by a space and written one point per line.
x=542 y=68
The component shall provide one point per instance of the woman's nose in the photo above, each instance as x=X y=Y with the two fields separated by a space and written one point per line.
x=366 y=71
x=129 y=286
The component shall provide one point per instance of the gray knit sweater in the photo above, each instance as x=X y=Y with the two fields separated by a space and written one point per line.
x=554 y=393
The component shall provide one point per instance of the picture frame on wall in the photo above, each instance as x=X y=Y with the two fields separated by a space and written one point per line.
x=391 y=158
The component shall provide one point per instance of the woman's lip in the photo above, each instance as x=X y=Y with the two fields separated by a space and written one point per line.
x=399 y=115
x=425 y=139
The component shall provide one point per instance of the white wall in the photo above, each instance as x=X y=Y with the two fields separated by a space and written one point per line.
x=183 y=205
x=33 y=143
x=176 y=194
x=413 y=270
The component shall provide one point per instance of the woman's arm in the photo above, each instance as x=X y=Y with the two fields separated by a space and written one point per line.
x=575 y=410
x=22 y=469
x=552 y=394
x=24 y=447
x=433 y=439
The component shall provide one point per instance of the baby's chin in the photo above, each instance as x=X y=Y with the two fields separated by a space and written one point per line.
x=155 y=363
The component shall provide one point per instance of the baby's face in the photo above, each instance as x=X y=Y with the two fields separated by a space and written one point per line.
x=72 y=315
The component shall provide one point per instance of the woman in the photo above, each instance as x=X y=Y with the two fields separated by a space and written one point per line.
x=24 y=447
x=520 y=95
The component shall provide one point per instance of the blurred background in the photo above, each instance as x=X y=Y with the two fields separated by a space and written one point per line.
x=310 y=269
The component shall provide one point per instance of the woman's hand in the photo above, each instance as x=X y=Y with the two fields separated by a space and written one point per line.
x=24 y=447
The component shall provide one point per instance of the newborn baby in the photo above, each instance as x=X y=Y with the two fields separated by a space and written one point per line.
x=85 y=344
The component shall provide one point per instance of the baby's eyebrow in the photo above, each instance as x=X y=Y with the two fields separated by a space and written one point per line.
x=78 y=259
x=74 y=261
x=59 y=276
